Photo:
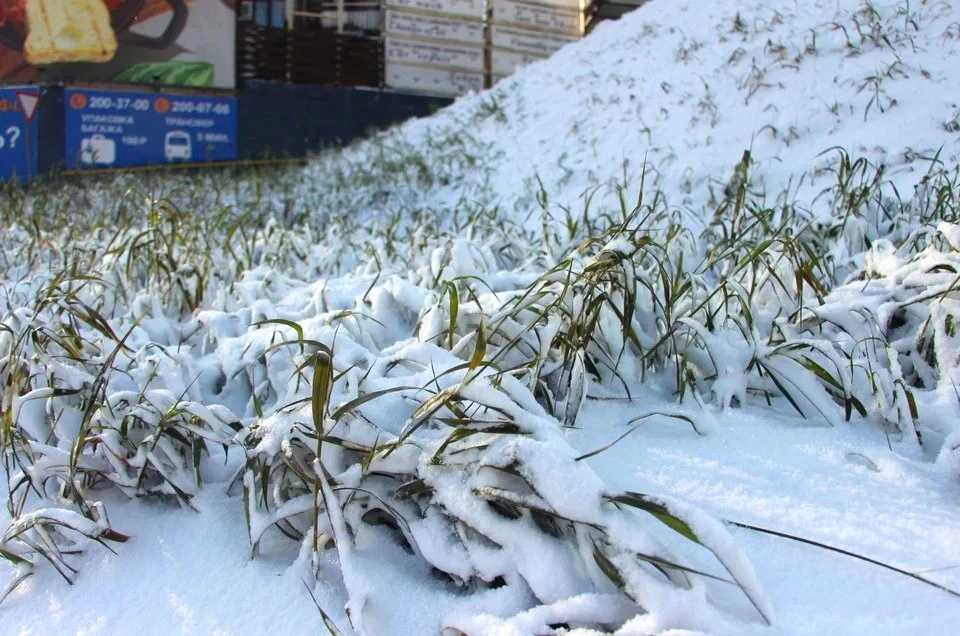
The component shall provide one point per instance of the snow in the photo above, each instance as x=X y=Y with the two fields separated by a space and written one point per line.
x=189 y=572
x=164 y=582
x=680 y=89
x=669 y=99
x=777 y=472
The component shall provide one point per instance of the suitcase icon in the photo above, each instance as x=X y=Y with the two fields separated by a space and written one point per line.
x=98 y=150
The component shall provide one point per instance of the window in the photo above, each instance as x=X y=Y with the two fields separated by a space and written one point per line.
x=266 y=12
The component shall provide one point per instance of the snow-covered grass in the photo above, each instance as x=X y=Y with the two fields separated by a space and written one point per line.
x=473 y=372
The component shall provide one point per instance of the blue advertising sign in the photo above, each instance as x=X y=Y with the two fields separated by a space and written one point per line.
x=116 y=129
x=18 y=132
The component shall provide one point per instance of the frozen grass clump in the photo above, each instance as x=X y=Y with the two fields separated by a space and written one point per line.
x=405 y=378
x=479 y=483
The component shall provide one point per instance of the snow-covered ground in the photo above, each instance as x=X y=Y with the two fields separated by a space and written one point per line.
x=441 y=287
x=188 y=572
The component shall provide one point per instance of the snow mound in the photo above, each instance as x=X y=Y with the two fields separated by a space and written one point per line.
x=681 y=88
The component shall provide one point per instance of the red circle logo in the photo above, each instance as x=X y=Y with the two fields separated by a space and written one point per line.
x=161 y=105
x=78 y=101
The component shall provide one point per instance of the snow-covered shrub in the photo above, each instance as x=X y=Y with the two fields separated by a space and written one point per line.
x=456 y=345
x=467 y=472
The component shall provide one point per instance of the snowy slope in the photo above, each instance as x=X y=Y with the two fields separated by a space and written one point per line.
x=683 y=88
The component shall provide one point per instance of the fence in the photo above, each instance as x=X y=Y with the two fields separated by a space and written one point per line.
x=271 y=120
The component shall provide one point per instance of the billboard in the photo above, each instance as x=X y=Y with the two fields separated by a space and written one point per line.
x=18 y=132
x=117 y=129
x=157 y=42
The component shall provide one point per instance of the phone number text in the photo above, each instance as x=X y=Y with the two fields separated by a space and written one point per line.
x=143 y=104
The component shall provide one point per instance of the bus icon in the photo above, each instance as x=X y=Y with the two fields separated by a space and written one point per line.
x=177 y=145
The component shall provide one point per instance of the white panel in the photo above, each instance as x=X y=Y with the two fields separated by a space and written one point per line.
x=565 y=4
x=506 y=62
x=537 y=42
x=466 y=8
x=434 y=27
x=431 y=80
x=454 y=56
x=537 y=16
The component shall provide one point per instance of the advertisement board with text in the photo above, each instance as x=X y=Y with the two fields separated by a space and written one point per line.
x=157 y=42
x=118 y=129
x=18 y=132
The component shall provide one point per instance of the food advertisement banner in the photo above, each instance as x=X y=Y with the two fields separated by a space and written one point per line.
x=116 y=129
x=157 y=42
x=18 y=132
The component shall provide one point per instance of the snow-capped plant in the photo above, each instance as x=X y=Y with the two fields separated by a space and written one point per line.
x=417 y=393
x=478 y=483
